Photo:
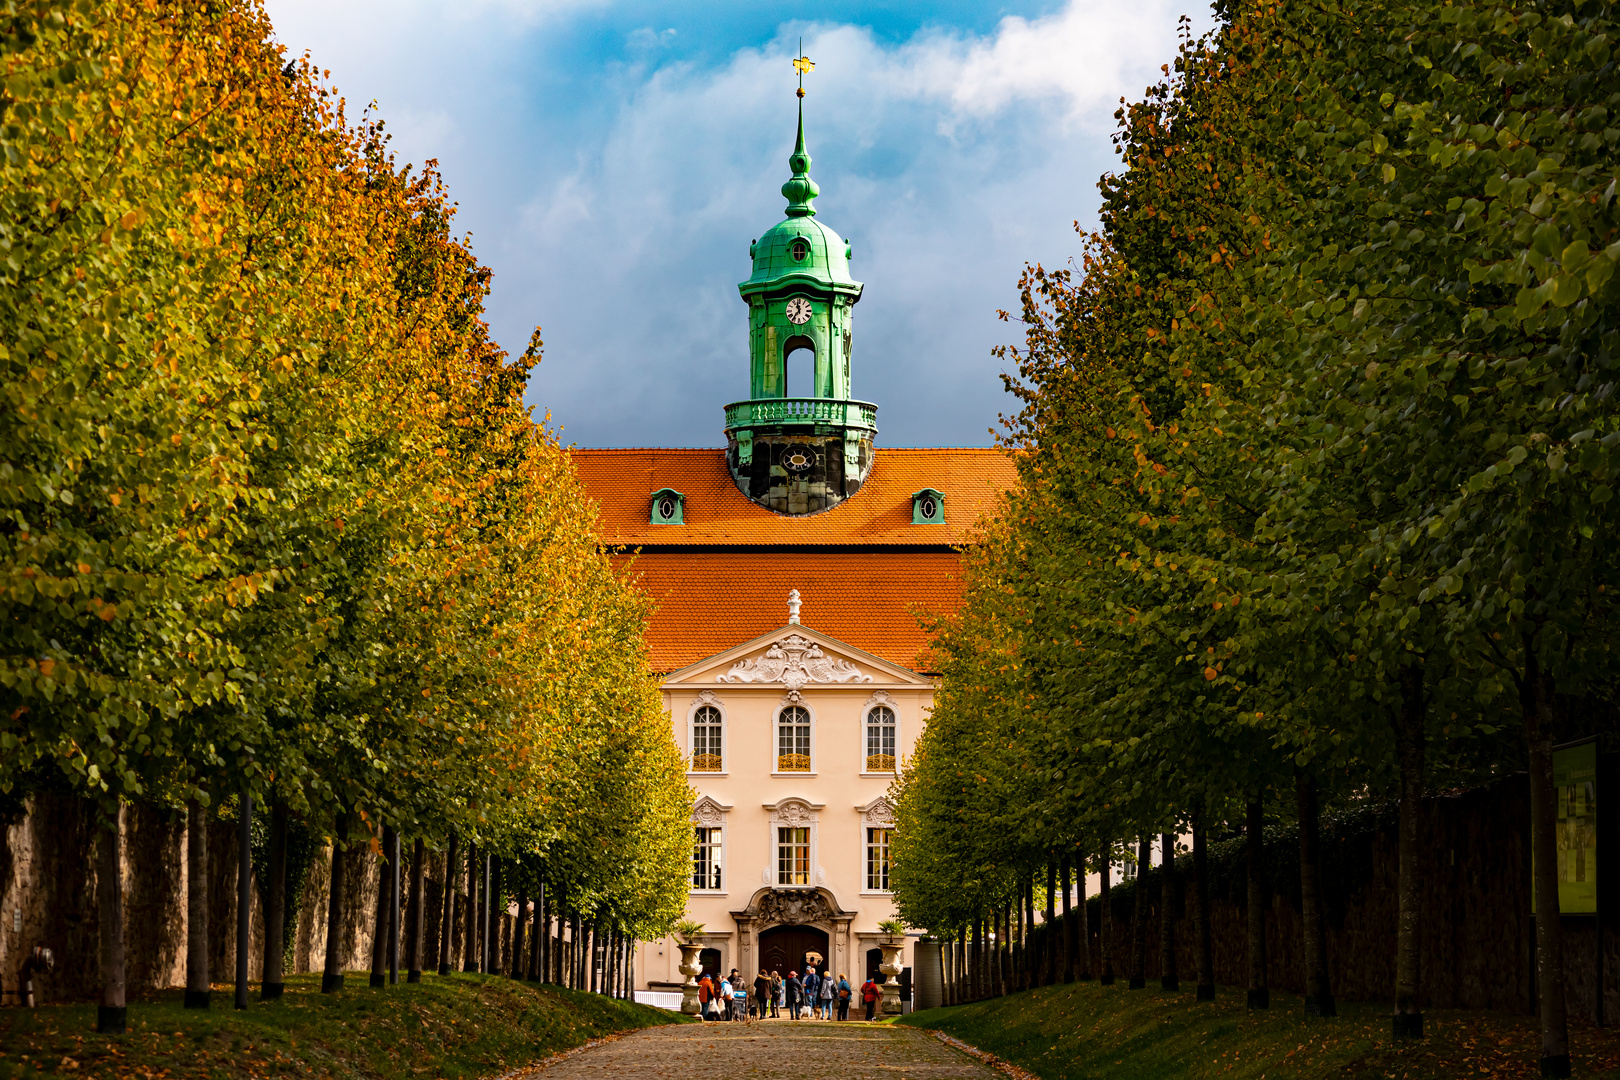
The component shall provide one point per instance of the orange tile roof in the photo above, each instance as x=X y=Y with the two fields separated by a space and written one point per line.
x=623 y=481
x=710 y=601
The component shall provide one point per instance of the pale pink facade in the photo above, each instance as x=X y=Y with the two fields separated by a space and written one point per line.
x=797 y=792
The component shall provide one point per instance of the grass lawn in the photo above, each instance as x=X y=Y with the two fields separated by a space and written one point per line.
x=451 y=1027
x=1085 y=1030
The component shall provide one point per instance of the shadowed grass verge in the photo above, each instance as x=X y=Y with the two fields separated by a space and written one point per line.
x=1083 y=1031
x=452 y=1027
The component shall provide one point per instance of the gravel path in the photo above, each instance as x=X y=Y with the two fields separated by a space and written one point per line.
x=789 y=1050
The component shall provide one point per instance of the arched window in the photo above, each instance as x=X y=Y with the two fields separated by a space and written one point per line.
x=880 y=739
x=708 y=754
x=806 y=368
x=793 y=739
x=800 y=249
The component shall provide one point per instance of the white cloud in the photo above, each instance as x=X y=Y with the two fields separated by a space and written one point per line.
x=615 y=203
x=1088 y=55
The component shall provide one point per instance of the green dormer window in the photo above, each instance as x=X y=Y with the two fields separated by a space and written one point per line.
x=668 y=507
x=800 y=250
x=928 y=507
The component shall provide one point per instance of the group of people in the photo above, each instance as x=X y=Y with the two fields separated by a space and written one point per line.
x=819 y=995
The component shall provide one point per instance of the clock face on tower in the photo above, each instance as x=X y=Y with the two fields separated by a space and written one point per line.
x=798 y=311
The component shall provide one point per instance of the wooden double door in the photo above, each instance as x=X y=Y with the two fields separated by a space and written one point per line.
x=792 y=948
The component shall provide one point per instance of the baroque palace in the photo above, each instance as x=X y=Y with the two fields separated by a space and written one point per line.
x=787 y=570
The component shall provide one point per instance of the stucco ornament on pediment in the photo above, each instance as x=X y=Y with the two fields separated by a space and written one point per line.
x=793 y=907
x=796 y=662
x=878 y=812
x=708 y=812
x=794 y=813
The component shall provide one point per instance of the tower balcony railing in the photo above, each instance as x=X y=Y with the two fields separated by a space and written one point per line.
x=798 y=410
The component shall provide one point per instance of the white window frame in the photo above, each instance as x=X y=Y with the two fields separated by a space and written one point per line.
x=867 y=888
x=709 y=813
x=877 y=814
x=718 y=846
x=867 y=727
x=707 y=699
x=886 y=700
x=809 y=863
x=776 y=738
x=793 y=813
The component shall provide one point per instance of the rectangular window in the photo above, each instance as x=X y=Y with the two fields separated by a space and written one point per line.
x=706 y=858
x=877 y=859
x=792 y=856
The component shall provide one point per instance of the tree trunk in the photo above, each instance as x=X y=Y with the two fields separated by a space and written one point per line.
x=629 y=968
x=379 y=932
x=391 y=845
x=112 y=1015
x=544 y=925
x=1540 y=728
x=1318 y=990
x=470 y=949
x=244 y=894
x=1408 y=1019
x=1006 y=958
x=1051 y=940
x=1066 y=877
x=1254 y=849
x=1144 y=853
x=517 y=931
x=1105 y=927
x=1206 y=943
x=1018 y=938
x=975 y=960
x=490 y=923
x=272 y=982
x=1031 y=943
x=1168 y=976
x=418 y=913
x=575 y=953
x=536 y=937
x=447 y=910
x=594 y=938
x=332 y=976
x=198 y=994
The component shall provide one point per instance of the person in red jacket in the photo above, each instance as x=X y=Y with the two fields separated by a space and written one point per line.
x=870 y=992
x=705 y=996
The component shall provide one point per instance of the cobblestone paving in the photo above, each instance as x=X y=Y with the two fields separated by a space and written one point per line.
x=767 y=1050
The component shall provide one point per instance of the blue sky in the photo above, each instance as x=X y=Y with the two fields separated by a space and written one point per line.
x=612 y=161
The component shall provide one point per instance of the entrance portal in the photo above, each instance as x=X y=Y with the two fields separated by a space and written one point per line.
x=792 y=948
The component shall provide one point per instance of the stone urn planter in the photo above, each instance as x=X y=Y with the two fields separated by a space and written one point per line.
x=691 y=967
x=893 y=946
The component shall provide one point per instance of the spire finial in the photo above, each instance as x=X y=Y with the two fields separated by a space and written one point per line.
x=801 y=191
x=793 y=607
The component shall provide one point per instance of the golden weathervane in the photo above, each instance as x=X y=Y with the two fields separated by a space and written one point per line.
x=802 y=64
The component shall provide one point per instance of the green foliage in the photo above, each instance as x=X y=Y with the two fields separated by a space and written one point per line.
x=272 y=511
x=1322 y=429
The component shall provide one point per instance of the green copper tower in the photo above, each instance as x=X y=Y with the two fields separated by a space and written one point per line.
x=800 y=455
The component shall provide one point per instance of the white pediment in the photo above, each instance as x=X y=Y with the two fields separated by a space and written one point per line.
x=792 y=659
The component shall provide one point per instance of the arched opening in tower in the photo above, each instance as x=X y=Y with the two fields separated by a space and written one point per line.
x=799 y=377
